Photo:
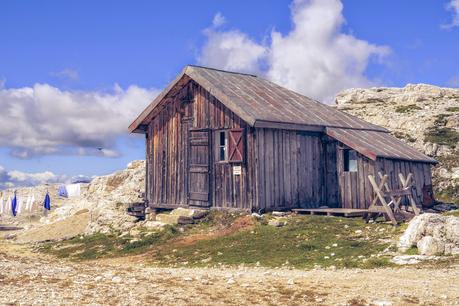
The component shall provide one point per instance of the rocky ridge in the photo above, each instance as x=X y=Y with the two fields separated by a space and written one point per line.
x=424 y=116
x=101 y=207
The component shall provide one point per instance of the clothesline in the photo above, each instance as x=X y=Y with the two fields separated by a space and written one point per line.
x=14 y=205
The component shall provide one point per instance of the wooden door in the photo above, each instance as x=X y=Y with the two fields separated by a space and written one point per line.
x=199 y=158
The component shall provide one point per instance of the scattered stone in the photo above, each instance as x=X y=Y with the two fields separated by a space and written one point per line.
x=190 y=213
x=153 y=224
x=230 y=281
x=10 y=236
x=173 y=219
x=277 y=223
x=116 y=279
x=411 y=259
x=291 y=281
x=382 y=303
x=442 y=207
x=188 y=279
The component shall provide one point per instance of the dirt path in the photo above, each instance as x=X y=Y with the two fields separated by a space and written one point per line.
x=31 y=278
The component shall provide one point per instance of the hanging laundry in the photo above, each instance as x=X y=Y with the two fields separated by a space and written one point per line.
x=8 y=205
x=32 y=203
x=20 y=205
x=27 y=204
x=73 y=190
x=14 y=204
x=62 y=191
x=1 y=206
x=47 y=202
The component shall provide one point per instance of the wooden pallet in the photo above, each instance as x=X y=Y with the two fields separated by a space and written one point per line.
x=137 y=210
x=9 y=228
x=344 y=212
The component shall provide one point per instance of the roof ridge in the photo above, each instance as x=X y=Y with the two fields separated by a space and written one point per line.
x=221 y=70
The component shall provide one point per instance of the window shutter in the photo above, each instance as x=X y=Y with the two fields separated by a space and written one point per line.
x=236 y=146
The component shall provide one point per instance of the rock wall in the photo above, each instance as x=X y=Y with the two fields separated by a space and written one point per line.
x=424 y=116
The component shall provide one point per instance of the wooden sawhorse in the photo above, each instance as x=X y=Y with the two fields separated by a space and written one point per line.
x=383 y=192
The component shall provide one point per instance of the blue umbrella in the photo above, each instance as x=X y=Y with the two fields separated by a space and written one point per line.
x=14 y=204
x=47 y=203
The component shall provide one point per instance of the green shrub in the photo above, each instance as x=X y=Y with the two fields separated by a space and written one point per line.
x=407 y=108
x=442 y=136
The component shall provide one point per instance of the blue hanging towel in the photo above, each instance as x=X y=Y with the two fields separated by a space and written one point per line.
x=14 y=204
x=47 y=203
x=63 y=191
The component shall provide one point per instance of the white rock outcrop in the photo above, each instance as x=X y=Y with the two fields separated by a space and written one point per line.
x=105 y=199
x=432 y=234
x=410 y=113
x=111 y=194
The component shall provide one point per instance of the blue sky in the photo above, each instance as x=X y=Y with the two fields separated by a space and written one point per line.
x=66 y=62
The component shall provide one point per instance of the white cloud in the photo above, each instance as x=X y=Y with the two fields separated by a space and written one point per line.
x=15 y=178
x=218 y=20
x=453 y=6
x=230 y=50
x=46 y=120
x=315 y=58
x=69 y=74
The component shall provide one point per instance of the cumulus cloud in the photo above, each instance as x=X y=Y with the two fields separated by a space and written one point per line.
x=230 y=50
x=46 y=120
x=315 y=58
x=14 y=178
x=453 y=6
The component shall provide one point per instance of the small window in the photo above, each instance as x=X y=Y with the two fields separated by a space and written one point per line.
x=350 y=160
x=222 y=141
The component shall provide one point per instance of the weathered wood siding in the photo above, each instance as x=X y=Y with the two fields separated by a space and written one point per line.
x=282 y=169
x=422 y=175
x=168 y=152
x=355 y=190
x=332 y=198
x=290 y=169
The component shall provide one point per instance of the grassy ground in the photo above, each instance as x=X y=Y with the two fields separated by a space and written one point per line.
x=228 y=239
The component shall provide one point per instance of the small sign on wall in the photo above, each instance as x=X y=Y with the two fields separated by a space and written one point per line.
x=237 y=170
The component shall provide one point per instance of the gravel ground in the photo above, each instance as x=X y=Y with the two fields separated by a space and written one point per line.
x=31 y=278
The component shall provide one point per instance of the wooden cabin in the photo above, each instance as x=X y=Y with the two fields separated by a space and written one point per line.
x=219 y=139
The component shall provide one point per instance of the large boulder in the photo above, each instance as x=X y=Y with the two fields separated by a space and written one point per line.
x=429 y=245
x=432 y=234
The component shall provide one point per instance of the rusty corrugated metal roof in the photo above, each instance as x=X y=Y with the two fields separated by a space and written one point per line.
x=374 y=144
x=262 y=100
x=258 y=101
x=261 y=103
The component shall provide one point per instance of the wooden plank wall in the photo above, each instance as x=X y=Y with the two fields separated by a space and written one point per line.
x=290 y=169
x=331 y=173
x=168 y=152
x=355 y=190
x=421 y=175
